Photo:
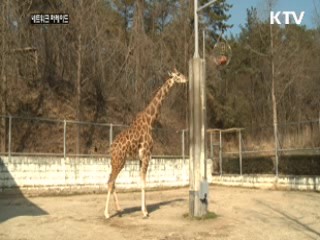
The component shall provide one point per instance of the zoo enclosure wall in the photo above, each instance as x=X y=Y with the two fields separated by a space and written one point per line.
x=242 y=151
x=38 y=175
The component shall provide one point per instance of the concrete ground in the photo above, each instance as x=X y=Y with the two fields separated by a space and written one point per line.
x=242 y=214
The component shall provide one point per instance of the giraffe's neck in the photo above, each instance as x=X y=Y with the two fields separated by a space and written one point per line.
x=154 y=107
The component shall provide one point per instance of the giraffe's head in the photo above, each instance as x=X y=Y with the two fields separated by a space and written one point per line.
x=177 y=76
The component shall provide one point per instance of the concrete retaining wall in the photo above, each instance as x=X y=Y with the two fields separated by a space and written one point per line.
x=87 y=174
x=54 y=174
x=307 y=183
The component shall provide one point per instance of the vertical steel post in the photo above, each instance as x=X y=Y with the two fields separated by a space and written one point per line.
x=204 y=44
x=191 y=142
x=276 y=149
x=111 y=134
x=196 y=30
x=203 y=97
x=9 y=137
x=64 y=139
x=240 y=152
x=183 y=145
x=220 y=151
x=63 y=161
x=198 y=193
x=198 y=204
x=211 y=146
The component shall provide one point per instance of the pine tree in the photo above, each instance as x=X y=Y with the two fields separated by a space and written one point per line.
x=215 y=17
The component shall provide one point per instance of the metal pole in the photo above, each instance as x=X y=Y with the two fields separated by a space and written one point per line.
x=240 y=152
x=9 y=137
x=276 y=149
x=204 y=44
x=198 y=203
x=111 y=134
x=196 y=25
x=63 y=161
x=211 y=146
x=183 y=145
x=206 y=5
x=220 y=151
x=198 y=193
x=203 y=96
x=64 y=139
x=196 y=30
x=191 y=142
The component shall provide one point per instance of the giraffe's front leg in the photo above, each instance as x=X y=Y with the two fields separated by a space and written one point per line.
x=143 y=196
x=106 y=211
x=144 y=168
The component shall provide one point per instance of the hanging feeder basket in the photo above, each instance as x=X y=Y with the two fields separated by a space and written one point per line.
x=222 y=53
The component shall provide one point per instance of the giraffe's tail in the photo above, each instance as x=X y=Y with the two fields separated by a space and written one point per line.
x=109 y=150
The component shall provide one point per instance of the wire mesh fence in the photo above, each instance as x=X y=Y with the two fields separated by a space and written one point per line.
x=253 y=150
x=43 y=136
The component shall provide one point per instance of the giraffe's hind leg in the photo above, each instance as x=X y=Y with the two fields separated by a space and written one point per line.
x=112 y=189
x=116 y=168
x=116 y=200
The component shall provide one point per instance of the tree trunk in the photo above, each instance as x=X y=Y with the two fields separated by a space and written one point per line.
x=274 y=104
x=139 y=36
x=3 y=79
x=78 y=82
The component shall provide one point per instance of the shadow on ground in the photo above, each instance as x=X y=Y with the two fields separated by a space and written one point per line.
x=292 y=219
x=151 y=207
x=12 y=201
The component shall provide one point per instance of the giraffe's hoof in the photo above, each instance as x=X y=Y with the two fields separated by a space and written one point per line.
x=107 y=216
x=145 y=215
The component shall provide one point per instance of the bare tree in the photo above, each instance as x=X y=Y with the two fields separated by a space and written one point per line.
x=316 y=13
x=3 y=74
x=78 y=78
x=274 y=99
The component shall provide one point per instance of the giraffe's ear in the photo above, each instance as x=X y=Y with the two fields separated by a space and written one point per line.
x=170 y=74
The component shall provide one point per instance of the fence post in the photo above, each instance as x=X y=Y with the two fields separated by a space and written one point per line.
x=183 y=145
x=64 y=150
x=211 y=146
x=240 y=152
x=220 y=151
x=9 y=137
x=276 y=149
x=111 y=134
x=64 y=139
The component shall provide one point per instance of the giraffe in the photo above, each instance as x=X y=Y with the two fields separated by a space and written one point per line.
x=137 y=139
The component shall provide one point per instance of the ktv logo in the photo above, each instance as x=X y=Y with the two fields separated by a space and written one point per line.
x=289 y=17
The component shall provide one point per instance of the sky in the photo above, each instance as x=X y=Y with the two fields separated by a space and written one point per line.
x=239 y=12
